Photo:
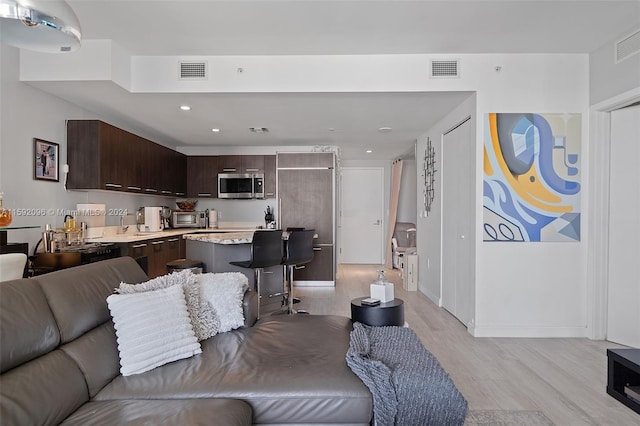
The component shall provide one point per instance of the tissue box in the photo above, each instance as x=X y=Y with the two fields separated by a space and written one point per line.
x=383 y=292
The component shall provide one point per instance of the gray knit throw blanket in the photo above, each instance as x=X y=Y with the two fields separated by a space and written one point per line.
x=408 y=385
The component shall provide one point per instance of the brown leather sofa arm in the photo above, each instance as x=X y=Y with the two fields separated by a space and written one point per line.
x=250 y=308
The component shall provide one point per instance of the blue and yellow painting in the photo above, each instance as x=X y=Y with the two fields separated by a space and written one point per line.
x=532 y=177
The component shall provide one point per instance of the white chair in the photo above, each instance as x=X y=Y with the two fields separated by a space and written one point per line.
x=403 y=243
x=12 y=266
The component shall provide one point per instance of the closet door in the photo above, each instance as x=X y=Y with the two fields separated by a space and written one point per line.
x=457 y=220
x=624 y=229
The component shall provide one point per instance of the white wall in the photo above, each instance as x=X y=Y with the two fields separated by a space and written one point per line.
x=608 y=78
x=522 y=289
x=535 y=289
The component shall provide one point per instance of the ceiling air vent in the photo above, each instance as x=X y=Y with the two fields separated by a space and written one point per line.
x=259 y=129
x=628 y=46
x=445 y=68
x=193 y=70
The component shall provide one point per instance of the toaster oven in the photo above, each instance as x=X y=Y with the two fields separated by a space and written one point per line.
x=193 y=219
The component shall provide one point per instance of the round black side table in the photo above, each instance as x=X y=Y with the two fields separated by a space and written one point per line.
x=389 y=313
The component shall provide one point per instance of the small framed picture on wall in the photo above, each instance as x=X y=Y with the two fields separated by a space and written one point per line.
x=46 y=165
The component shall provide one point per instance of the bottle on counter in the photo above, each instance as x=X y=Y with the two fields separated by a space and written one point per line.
x=5 y=214
x=269 y=219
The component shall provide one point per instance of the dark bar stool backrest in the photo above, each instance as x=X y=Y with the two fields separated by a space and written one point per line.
x=299 y=247
x=266 y=249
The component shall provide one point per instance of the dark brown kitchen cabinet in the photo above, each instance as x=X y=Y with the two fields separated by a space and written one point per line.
x=320 y=268
x=162 y=251
x=202 y=176
x=252 y=164
x=102 y=156
x=269 y=176
x=155 y=253
x=202 y=172
x=139 y=251
x=306 y=199
x=305 y=160
x=230 y=164
x=135 y=149
x=94 y=149
x=178 y=173
x=167 y=171
x=240 y=163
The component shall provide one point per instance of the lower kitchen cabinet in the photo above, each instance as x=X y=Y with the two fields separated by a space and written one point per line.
x=155 y=253
x=320 y=268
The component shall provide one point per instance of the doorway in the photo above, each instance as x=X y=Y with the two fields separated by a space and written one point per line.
x=362 y=215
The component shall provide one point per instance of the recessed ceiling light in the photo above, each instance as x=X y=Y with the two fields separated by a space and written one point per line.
x=215 y=130
x=384 y=129
x=185 y=107
x=369 y=151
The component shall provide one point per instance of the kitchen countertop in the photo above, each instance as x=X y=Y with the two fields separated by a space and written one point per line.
x=222 y=237
x=131 y=237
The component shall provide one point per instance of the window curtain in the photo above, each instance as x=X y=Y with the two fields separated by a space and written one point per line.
x=396 y=174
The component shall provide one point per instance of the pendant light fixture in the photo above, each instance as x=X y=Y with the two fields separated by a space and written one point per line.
x=40 y=25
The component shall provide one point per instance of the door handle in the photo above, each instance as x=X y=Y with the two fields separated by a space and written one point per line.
x=377 y=222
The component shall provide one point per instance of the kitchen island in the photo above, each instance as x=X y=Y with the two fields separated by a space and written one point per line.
x=217 y=249
x=152 y=250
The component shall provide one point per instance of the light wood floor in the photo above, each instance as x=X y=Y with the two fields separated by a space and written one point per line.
x=563 y=378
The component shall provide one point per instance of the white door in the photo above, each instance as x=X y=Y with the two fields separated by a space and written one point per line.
x=624 y=230
x=457 y=218
x=361 y=215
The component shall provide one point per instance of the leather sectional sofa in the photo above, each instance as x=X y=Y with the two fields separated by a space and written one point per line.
x=60 y=364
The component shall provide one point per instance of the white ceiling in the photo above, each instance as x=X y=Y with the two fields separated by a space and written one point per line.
x=305 y=27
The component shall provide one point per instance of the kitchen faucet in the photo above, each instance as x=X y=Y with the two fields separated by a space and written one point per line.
x=123 y=228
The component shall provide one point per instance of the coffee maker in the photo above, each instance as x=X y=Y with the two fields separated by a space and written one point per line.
x=149 y=219
x=165 y=215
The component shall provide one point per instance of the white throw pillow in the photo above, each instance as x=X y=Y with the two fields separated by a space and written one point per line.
x=152 y=329
x=203 y=318
x=225 y=292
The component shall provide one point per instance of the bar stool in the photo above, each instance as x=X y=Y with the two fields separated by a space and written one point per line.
x=266 y=251
x=298 y=251
x=196 y=266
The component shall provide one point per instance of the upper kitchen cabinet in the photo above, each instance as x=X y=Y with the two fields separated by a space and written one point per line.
x=202 y=176
x=202 y=172
x=178 y=172
x=102 y=156
x=94 y=150
x=305 y=160
x=269 y=176
x=166 y=172
x=241 y=164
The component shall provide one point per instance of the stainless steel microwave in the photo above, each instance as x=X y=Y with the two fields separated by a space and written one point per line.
x=193 y=219
x=240 y=185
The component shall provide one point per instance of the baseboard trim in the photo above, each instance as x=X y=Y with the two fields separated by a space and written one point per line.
x=314 y=283
x=433 y=297
x=515 y=331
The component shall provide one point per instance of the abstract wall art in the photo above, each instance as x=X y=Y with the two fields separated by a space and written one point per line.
x=531 y=187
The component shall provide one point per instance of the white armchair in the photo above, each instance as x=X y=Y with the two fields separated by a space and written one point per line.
x=403 y=242
x=12 y=266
